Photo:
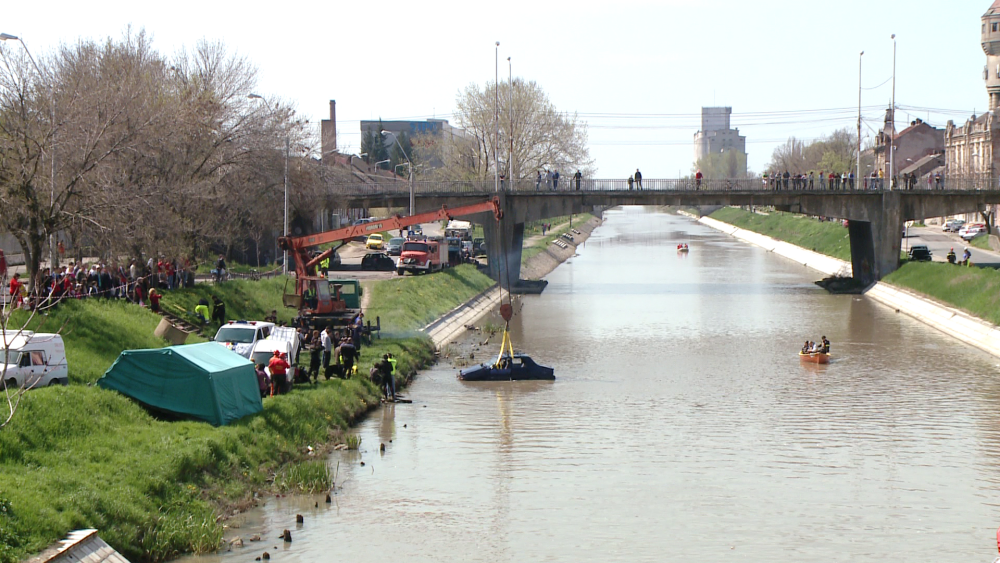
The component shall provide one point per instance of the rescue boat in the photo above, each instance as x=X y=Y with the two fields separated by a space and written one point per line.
x=815 y=357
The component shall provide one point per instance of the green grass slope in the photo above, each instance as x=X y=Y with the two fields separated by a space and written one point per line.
x=975 y=290
x=828 y=237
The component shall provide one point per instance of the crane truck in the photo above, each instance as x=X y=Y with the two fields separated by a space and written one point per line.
x=319 y=301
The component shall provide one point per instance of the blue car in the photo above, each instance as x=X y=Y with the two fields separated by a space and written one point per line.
x=517 y=368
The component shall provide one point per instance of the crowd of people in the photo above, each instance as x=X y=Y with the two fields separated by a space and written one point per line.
x=136 y=282
x=844 y=181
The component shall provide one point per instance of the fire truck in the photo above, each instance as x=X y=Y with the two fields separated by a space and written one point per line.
x=317 y=299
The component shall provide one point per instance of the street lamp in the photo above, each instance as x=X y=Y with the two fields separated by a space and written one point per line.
x=53 y=255
x=352 y=157
x=858 y=179
x=892 y=137
x=394 y=138
x=496 y=117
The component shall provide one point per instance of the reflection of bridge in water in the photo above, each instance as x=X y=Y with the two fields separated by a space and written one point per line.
x=876 y=216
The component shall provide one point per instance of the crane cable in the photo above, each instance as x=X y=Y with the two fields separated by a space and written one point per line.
x=506 y=310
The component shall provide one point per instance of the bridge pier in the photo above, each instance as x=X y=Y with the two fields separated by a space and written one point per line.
x=504 y=242
x=875 y=243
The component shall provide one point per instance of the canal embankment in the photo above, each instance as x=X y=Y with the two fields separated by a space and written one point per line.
x=936 y=313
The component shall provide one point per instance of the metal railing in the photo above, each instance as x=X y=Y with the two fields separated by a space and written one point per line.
x=804 y=184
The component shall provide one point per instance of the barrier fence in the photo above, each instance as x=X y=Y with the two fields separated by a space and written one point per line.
x=803 y=184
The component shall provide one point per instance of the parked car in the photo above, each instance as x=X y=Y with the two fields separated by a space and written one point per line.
x=395 y=246
x=953 y=225
x=920 y=253
x=970 y=232
x=378 y=261
x=34 y=359
x=240 y=336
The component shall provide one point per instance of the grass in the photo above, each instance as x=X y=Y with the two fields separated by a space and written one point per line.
x=81 y=456
x=560 y=226
x=244 y=300
x=982 y=242
x=95 y=330
x=828 y=237
x=406 y=304
x=974 y=290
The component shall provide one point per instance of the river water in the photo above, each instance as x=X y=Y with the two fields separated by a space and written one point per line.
x=681 y=427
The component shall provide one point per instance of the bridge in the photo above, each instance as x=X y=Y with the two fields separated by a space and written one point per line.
x=875 y=213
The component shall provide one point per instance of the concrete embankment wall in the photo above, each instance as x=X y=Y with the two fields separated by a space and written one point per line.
x=453 y=324
x=957 y=324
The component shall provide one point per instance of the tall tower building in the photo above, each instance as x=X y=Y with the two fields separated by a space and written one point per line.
x=972 y=150
x=716 y=135
x=991 y=46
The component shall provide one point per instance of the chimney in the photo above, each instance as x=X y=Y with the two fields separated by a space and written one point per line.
x=328 y=134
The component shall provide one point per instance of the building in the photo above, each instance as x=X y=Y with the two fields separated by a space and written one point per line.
x=716 y=135
x=423 y=135
x=971 y=154
x=328 y=135
x=918 y=143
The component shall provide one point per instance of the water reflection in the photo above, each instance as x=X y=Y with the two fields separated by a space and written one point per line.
x=682 y=426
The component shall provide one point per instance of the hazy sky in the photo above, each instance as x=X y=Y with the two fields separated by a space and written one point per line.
x=637 y=72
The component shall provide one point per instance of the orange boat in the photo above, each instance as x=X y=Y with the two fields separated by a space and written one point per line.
x=815 y=358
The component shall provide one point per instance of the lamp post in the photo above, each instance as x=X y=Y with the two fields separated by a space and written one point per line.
x=892 y=136
x=394 y=138
x=53 y=254
x=510 y=130
x=352 y=157
x=858 y=178
x=496 y=117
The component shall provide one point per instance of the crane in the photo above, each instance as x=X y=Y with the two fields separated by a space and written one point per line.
x=321 y=305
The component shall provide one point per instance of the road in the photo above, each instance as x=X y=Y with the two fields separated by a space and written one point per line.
x=939 y=242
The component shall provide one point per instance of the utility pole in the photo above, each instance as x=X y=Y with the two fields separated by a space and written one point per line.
x=496 y=118
x=857 y=179
x=510 y=130
x=892 y=136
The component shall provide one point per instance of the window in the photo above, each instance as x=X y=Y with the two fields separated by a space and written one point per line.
x=38 y=358
x=995 y=27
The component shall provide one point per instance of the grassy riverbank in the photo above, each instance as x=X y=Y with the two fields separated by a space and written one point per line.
x=974 y=290
x=560 y=226
x=827 y=237
x=81 y=456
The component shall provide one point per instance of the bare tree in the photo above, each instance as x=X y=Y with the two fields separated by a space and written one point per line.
x=528 y=134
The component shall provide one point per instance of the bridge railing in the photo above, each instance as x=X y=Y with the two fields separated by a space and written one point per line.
x=485 y=187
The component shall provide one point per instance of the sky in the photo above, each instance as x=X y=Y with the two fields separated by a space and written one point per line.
x=636 y=72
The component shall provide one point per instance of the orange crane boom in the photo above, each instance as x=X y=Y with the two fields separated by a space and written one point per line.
x=296 y=245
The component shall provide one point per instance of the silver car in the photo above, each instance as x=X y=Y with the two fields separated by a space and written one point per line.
x=395 y=246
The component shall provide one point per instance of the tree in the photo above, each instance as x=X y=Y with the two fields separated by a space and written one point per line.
x=401 y=156
x=373 y=143
x=726 y=164
x=533 y=134
x=836 y=152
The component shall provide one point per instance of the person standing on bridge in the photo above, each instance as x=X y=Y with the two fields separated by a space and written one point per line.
x=697 y=180
x=784 y=178
x=630 y=181
x=576 y=178
x=810 y=180
x=638 y=179
x=538 y=181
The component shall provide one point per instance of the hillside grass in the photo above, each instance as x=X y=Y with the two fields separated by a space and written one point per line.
x=558 y=228
x=244 y=300
x=406 y=304
x=81 y=456
x=974 y=290
x=827 y=237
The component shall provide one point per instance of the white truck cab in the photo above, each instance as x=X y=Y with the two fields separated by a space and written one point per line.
x=33 y=359
x=240 y=336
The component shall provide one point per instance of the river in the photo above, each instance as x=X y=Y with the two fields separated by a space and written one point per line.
x=681 y=427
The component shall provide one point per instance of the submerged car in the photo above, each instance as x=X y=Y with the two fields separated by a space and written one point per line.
x=510 y=368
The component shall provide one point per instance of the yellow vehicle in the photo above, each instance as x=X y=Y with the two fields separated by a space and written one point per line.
x=374 y=242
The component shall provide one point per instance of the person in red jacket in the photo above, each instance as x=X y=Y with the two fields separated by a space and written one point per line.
x=15 y=289
x=279 y=373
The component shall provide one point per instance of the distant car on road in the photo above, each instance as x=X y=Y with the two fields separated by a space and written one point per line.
x=953 y=225
x=920 y=253
x=375 y=242
x=395 y=246
x=378 y=261
x=970 y=232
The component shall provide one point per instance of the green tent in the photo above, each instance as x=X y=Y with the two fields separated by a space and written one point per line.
x=203 y=381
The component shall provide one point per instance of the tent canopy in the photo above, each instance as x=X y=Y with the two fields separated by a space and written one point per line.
x=204 y=381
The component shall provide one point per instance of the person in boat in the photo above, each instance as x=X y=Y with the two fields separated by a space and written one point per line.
x=826 y=346
x=952 y=258
x=805 y=347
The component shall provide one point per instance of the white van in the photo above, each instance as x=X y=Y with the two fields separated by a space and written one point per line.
x=240 y=336
x=34 y=359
